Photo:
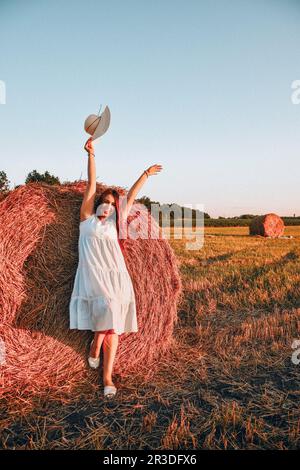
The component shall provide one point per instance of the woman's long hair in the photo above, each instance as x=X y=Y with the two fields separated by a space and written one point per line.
x=116 y=195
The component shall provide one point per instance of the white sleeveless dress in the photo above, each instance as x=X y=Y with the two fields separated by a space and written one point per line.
x=103 y=297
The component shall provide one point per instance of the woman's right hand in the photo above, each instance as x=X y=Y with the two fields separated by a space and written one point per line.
x=89 y=146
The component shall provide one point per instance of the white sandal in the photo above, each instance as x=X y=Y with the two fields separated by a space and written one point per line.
x=110 y=391
x=94 y=362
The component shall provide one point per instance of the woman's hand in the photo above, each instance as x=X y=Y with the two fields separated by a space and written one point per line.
x=89 y=146
x=153 y=170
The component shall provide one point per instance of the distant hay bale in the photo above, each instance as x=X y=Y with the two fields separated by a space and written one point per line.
x=268 y=225
x=39 y=230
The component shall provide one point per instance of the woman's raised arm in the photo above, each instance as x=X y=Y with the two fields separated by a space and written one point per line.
x=152 y=170
x=87 y=206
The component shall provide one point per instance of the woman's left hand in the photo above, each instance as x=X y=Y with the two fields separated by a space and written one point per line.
x=154 y=169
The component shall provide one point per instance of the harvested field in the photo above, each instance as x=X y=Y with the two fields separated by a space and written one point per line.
x=228 y=381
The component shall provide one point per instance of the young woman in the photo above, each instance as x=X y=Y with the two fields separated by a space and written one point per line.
x=103 y=296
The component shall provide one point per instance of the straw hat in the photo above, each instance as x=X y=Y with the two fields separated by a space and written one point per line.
x=97 y=125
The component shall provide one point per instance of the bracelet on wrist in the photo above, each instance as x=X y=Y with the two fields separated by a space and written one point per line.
x=146 y=172
x=91 y=154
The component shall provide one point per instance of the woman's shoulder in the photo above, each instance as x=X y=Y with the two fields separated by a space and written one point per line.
x=90 y=217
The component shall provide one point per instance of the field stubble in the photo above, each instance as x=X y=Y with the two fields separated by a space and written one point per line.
x=228 y=381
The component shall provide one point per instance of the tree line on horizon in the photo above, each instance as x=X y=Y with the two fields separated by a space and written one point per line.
x=182 y=212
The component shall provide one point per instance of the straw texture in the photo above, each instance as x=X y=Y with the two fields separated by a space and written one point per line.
x=39 y=230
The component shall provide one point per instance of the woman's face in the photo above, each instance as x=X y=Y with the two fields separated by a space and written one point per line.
x=107 y=207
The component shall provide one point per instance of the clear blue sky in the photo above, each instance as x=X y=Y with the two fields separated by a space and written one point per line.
x=201 y=87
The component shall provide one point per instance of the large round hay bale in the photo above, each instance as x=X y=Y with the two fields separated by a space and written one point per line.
x=39 y=230
x=268 y=225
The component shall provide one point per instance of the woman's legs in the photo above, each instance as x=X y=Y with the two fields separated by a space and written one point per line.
x=96 y=346
x=110 y=346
